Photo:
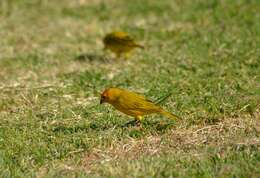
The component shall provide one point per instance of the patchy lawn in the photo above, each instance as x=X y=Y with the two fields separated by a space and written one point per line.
x=53 y=67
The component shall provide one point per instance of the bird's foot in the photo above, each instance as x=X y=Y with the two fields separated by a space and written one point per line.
x=135 y=122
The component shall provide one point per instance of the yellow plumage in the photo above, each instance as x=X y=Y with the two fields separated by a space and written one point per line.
x=132 y=103
x=120 y=43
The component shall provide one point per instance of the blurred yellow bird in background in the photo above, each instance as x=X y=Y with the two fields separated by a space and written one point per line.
x=120 y=43
x=132 y=103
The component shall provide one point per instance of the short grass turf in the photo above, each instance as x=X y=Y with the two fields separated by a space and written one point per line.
x=52 y=69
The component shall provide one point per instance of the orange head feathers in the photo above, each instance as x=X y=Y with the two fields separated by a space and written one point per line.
x=104 y=97
x=110 y=95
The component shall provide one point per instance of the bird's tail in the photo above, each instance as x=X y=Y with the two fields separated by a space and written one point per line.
x=169 y=115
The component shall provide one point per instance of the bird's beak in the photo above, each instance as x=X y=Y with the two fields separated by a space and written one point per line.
x=101 y=101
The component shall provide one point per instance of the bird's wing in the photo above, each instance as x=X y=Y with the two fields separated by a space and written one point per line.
x=133 y=101
x=122 y=38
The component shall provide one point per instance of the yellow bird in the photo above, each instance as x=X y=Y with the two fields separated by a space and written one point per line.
x=132 y=103
x=120 y=43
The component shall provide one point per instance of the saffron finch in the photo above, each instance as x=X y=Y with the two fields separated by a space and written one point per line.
x=120 y=43
x=132 y=103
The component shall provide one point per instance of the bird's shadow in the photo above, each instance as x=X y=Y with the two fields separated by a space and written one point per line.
x=144 y=125
x=92 y=57
x=159 y=126
x=69 y=129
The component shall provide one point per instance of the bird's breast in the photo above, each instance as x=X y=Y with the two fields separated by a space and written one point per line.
x=125 y=110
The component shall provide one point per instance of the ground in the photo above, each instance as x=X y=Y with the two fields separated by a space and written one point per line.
x=53 y=68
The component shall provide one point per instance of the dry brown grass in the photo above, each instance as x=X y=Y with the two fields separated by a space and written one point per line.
x=231 y=133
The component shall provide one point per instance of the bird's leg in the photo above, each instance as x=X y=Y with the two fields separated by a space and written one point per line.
x=139 y=118
x=127 y=55
x=118 y=55
x=105 y=48
x=137 y=121
x=132 y=122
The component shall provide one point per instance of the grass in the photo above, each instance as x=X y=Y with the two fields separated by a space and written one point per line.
x=206 y=53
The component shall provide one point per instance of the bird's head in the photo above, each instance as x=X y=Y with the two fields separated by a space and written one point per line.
x=108 y=38
x=113 y=37
x=105 y=40
x=110 y=95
